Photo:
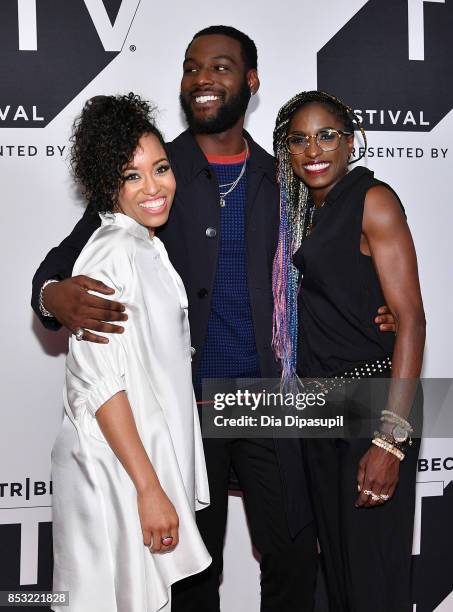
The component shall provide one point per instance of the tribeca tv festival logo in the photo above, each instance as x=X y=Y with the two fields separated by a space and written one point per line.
x=26 y=490
x=392 y=62
x=25 y=502
x=433 y=538
x=50 y=50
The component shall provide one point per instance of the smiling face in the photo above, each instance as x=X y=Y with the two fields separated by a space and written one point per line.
x=148 y=185
x=319 y=170
x=215 y=87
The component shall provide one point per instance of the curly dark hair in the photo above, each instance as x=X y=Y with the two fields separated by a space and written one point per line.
x=104 y=139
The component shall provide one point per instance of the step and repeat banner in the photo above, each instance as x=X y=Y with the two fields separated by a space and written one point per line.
x=391 y=60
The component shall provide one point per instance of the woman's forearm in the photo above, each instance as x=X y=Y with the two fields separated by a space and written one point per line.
x=409 y=345
x=117 y=423
x=406 y=363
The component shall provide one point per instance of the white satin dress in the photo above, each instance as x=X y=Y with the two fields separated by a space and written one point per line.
x=99 y=555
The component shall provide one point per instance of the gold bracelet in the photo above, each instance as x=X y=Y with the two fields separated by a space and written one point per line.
x=389 y=448
x=381 y=435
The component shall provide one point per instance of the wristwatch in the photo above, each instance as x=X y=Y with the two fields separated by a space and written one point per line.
x=42 y=309
x=400 y=434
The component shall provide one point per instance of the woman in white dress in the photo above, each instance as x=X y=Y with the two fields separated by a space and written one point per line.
x=128 y=465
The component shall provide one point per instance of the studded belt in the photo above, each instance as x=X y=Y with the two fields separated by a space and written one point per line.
x=370 y=369
x=376 y=368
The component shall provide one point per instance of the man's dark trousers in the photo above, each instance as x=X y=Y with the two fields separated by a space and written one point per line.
x=288 y=566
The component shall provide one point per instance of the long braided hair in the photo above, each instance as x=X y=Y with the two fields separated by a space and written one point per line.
x=294 y=212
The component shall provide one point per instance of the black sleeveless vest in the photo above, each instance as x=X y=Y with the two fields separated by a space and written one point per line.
x=340 y=291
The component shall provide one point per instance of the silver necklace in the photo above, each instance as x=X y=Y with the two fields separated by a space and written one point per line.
x=312 y=214
x=232 y=186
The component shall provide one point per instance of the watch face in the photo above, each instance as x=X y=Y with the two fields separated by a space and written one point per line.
x=399 y=433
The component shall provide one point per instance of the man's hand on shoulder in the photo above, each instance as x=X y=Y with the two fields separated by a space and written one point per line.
x=75 y=308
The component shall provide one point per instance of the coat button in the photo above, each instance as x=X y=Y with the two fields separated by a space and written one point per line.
x=211 y=232
x=202 y=293
x=193 y=350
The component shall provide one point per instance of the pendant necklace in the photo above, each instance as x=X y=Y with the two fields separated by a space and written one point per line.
x=313 y=212
x=232 y=186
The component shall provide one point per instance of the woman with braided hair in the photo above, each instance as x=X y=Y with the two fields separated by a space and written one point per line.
x=344 y=248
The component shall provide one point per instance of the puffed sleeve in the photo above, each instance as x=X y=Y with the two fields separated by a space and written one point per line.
x=96 y=372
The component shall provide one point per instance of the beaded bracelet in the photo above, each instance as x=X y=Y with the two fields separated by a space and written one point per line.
x=390 y=448
x=392 y=417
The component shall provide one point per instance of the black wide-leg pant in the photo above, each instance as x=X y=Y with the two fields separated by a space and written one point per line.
x=288 y=566
x=366 y=552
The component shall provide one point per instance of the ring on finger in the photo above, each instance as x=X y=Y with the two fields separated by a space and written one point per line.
x=167 y=540
x=79 y=332
x=373 y=495
x=384 y=497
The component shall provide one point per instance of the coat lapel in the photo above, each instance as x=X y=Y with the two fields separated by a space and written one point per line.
x=260 y=165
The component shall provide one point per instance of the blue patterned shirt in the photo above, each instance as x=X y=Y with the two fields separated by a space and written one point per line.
x=230 y=348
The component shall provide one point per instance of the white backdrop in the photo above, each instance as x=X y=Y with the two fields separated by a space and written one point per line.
x=40 y=207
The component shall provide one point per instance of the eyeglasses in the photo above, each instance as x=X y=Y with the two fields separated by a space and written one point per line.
x=327 y=139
